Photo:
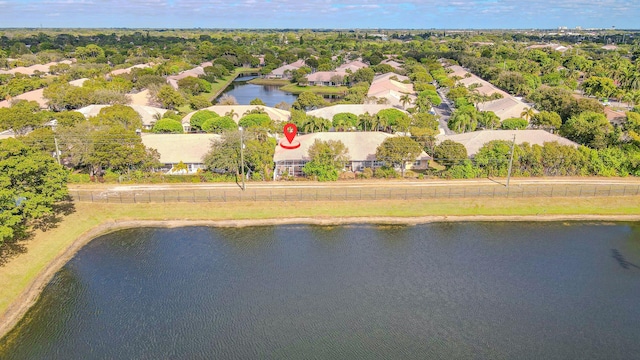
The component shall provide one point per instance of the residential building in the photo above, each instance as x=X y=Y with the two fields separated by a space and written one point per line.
x=362 y=148
x=475 y=140
x=148 y=114
x=189 y=149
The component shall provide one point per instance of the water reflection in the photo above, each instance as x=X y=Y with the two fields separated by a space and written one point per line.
x=483 y=290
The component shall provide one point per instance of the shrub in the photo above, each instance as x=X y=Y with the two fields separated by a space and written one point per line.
x=367 y=173
x=385 y=172
x=167 y=126
x=219 y=124
x=200 y=117
x=514 y=124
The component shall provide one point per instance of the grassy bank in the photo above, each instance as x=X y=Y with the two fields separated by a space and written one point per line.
x=274 y=82
x=322 y=90
x=20 y=271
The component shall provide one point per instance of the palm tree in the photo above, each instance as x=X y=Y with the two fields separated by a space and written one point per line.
x=232 y=114
x=404 y=100
x=527 y=113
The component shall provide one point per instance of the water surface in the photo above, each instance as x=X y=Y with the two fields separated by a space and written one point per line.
x=269 y=94
x=438 y=291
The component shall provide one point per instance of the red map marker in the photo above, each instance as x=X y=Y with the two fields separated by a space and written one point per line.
x=290 y=131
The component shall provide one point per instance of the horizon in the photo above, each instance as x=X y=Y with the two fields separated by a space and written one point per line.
x=334 y=14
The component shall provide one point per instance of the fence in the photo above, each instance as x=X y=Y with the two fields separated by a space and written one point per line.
x=352 y=193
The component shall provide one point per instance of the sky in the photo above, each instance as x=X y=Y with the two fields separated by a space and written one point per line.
x=322 y=14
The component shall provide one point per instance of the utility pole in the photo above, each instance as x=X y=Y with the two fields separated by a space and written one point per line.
x=55 y=141
x=513 y=143
x=242 y=156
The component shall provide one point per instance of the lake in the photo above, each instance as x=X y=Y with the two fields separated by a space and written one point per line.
x=245 y=92
x=434 y=291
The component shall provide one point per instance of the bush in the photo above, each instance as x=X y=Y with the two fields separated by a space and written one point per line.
x=76 y=178
x=514 y=124
x=219 y=124
x=200 y=117
x=255 y=120
x=385 y=172
x=367 y=173
x=167 y=126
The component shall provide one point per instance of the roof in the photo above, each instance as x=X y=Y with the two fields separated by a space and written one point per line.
x=352 y=65
x=7 y=134
x=357 y=109
x=394 y=64
x=388 y=76
x=147 y=113
x=30 y=70
x=505 y=108
x=293 y=66
x=362 y=145
x=324 y=76
x=195 y=72
x=35 y=95
x=473 y=141
x=128 y=70
x=173 y=148
x=274 y=114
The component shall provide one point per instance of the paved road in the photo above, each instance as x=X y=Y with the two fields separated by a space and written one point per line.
x=444 y=113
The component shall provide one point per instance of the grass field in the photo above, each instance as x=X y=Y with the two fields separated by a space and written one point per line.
x=32 y=256
x=323 y=90
x=274 y=82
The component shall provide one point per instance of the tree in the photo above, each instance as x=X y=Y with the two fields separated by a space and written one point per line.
x=256 y=120
x=404 y=100
x=344 y=121
x=308 y=101
x=193 y=85
x=514 y=124
x=590 y=129
x=118 y=149
x=362 y=75
x=398 y=150
x=449 y=153
x=527 y=114
x=393 y=119
x=488 y=120
x=597 y=86
x=119 y=115
x=227 y=99
x=224 y=155
x=167 y=126
x=219 y=124
x=547 y=120
x=32 y=184
x=328 y=158
x=169 y=97
x=200 y=117
x=257 y=101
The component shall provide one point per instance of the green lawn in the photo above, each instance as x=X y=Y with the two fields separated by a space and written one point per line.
x=275 y=82
x=324 y=90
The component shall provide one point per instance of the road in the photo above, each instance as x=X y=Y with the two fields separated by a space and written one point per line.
x=444 y=113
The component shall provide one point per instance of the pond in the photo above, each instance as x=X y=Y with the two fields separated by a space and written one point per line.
x=245 y=92
x=443 y=291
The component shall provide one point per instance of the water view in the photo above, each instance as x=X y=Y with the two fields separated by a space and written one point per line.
x=437 y=291
x=245 y=92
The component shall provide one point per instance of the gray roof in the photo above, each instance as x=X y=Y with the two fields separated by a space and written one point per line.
x=473 y=141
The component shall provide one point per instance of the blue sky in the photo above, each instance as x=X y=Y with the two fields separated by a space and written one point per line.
x=422 y=14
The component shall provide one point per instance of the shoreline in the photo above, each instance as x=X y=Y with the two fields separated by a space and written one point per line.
x=28 y=297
